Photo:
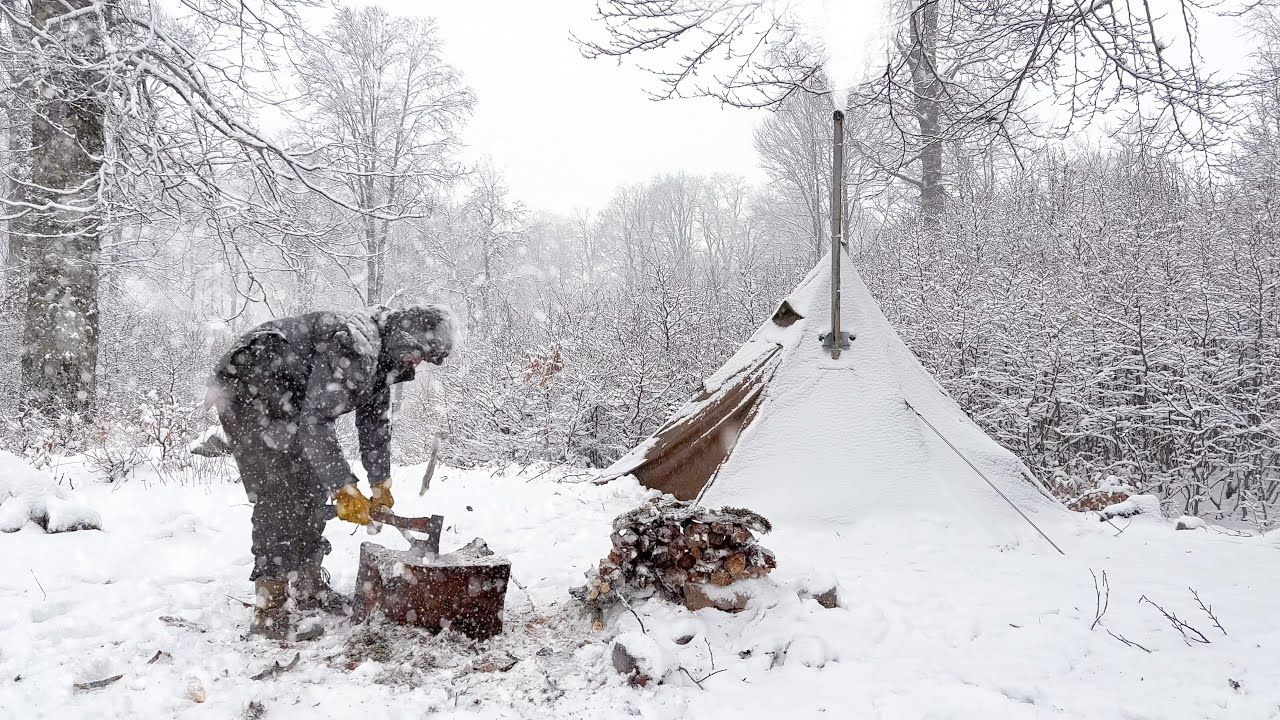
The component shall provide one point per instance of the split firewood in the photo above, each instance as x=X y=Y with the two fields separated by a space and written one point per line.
x=662 y=545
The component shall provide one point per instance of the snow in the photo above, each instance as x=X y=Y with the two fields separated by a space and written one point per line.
x=648 y=654
x=1190 y=522
x=1147 y=506
x=32 y=498
x=746 y=357
x=212 y=441
x=932 y=625
x=363 y=332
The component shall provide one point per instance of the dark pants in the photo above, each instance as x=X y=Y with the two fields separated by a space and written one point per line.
x=289 y=508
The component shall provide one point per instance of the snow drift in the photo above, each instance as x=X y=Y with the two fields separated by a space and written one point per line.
x=29 y=495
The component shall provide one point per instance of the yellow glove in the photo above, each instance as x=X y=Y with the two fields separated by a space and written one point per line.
x=352 y=506
x=380 y=497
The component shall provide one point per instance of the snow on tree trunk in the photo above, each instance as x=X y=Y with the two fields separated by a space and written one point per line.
x=62 y=235
x=16 y=162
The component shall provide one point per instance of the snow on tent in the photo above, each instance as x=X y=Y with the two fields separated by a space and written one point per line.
x=785 y=430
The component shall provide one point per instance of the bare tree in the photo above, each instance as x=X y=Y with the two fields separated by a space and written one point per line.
x=383 y=110
x=794 y=146
x=495 y=224
x=143 y=116
x=956 y=70
x=106 y=75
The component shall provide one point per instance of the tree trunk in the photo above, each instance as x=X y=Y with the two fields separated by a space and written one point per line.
x=62 y=237
x=17 y=160
x=928 y=111
x=373 y=285
x=373 y=242
x=815 y=204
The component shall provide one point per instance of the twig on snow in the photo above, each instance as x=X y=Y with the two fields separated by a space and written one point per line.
x=699 y=681
x=42 y=592
x=1128 y=642
x=1102 y=601
x=712 y=674
x=1208 y=610
x=1188 y=632
x=278 y=669
x=545 y=470
x=691 y=677
x=527 y=594
x=96 y=683
x=1102 y=598
x=627 y=605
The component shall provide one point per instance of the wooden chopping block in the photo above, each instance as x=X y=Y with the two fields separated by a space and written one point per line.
x=463 y=590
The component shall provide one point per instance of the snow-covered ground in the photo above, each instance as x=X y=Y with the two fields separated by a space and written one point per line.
x=933 y=624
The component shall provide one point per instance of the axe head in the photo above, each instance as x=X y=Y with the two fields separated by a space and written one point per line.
x=423 y=533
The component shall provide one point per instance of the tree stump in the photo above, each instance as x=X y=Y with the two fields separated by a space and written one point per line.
x=464 y=590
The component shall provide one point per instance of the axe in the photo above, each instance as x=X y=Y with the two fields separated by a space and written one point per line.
x=423 y=533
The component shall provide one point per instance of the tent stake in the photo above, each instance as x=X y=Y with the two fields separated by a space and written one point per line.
x=982 y=475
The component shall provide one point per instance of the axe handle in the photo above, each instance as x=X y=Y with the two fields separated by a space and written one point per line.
x=417 y=524
x=386 y=517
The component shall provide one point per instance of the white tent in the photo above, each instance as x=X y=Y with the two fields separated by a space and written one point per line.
x=785 y=430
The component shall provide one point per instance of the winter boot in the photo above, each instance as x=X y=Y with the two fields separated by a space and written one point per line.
x=311 y=590
x=270 y=617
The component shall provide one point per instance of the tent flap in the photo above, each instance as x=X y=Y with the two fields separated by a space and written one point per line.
x=686 y=451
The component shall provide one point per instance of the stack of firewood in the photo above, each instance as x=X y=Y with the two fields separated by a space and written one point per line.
x=663 y=545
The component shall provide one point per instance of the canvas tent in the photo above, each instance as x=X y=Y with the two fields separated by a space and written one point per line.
x=785 y=430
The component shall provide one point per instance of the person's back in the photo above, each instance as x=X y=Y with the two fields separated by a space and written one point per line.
x=278 y=392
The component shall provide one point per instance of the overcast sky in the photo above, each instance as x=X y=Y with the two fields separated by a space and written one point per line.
x=565 y=130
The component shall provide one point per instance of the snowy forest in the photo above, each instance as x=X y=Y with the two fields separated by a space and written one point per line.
x=590 y=359
x=1104 y=304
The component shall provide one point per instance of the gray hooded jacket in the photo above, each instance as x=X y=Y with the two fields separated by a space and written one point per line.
x=297 y=375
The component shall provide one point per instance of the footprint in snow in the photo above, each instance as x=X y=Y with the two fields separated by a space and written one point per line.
x=49 y=610
x=183 y=525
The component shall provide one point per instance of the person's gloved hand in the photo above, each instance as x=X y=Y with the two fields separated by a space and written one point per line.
x=380 y=497
x=352 y=506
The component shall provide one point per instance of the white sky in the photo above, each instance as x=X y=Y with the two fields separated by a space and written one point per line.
x=564 y=130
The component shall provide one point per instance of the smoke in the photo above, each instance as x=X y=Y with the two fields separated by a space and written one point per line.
x=852 y=35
